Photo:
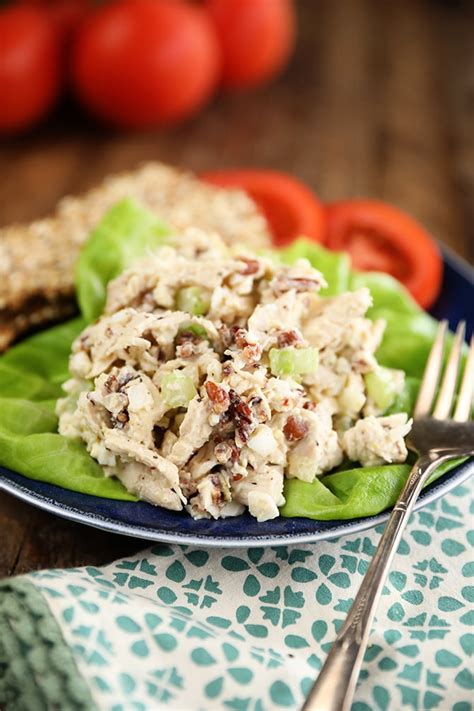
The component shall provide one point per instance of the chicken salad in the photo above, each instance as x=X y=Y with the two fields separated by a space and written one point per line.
x=214 y=374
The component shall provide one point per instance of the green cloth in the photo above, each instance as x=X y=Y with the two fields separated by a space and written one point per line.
x=37 y=668
x=199 y=629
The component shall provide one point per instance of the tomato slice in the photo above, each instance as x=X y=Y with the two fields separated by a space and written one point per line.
x=380 y=237
x=291 y=209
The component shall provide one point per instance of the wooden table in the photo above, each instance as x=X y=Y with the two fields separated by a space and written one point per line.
x=378 y=101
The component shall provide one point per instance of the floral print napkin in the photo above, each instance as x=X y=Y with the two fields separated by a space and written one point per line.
x=199 y=629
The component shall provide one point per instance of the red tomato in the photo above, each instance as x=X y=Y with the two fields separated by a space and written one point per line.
x=380 y=237
x=257 y=38
x=29 y=67
x=67 y=15
x=138 y=63
x=291 y=209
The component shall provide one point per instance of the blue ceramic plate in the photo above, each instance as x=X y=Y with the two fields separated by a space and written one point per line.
x=156 y=524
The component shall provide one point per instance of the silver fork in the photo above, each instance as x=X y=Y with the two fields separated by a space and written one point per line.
x=435 y=438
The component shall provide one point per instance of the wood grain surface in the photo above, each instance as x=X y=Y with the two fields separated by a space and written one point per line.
x=378 y=101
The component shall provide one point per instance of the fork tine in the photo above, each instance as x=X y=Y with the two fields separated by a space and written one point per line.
x=431 y=374
x=464 y=404
x=448 y=385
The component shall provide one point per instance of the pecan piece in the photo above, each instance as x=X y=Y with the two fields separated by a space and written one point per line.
x=300 y=284
x=252 y=353
x=120 y=420
x=226 y=335
x=223 y=451
x=186 y=350
x=241 y=436
x=240 y=337
x=218 y=397
x=251 y=266
x=295 y=429
x=242 y=411
x=111 y=384
x=289 y=338
x=239 y=411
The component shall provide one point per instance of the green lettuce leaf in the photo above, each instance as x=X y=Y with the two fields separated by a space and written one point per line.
x=29 y=444
x=32 y=372
x=405 y=401
x=351 y=493
x=126 y=233
x=386 y=292
x=42 y=361
x=407 y=340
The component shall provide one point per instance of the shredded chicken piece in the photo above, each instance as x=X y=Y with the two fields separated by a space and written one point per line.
x=214 y=373
x=375 y=440
x=261 y=491
x=195 y=430
x=319 y=450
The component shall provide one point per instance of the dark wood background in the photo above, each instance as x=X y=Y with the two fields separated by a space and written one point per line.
x=378 y=101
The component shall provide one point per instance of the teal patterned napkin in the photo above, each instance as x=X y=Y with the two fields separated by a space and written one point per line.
x=200 y=629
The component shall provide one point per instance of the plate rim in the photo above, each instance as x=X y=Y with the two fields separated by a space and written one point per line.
x=453 y=478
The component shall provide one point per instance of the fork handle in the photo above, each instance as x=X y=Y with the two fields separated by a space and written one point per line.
x=334 y=688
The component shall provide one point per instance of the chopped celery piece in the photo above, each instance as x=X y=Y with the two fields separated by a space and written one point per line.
x=177 y=389
x=381 y=387
x=195 y=328
x=193 y=300
x=293 y=361
x=406 y=398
